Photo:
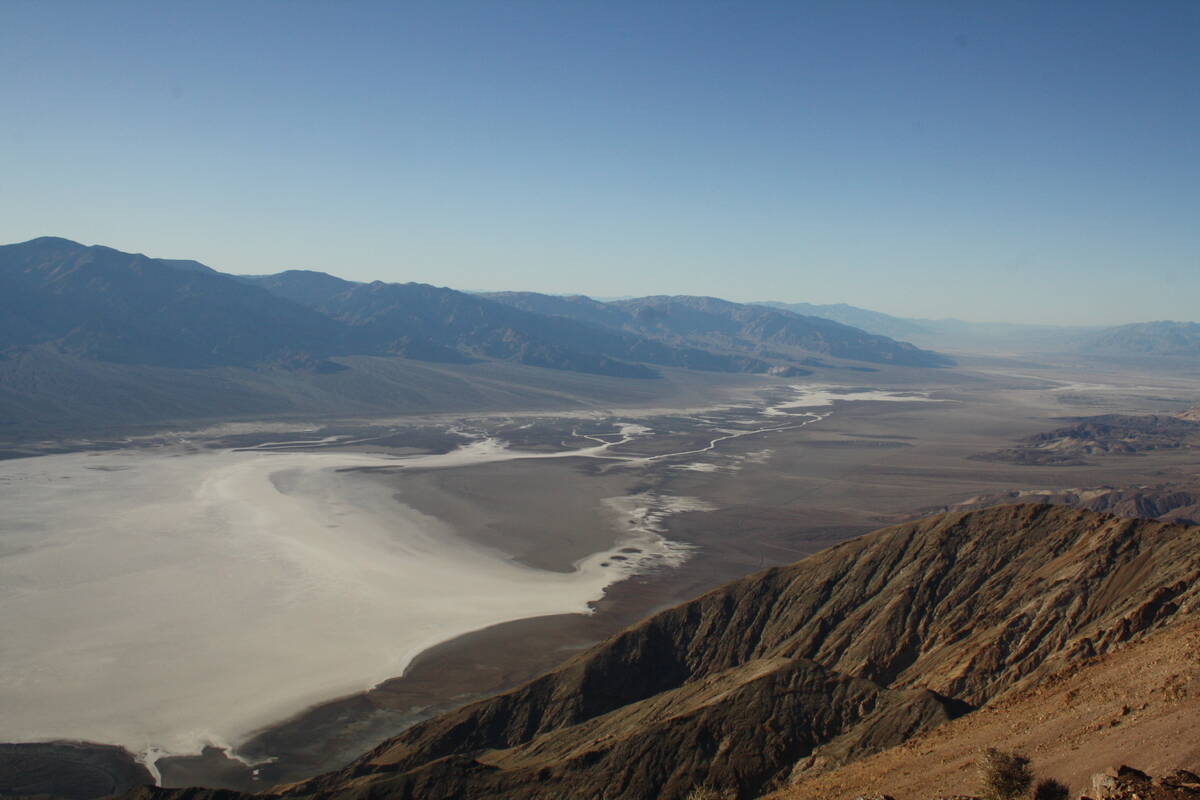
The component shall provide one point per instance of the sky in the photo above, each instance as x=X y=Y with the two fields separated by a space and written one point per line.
x=1017 y=161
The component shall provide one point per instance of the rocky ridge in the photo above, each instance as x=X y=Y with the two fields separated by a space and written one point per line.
x=1169 y=502
x=1102 y=435
x=1128 y=783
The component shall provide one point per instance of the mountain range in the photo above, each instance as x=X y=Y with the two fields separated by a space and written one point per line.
x=106 y=306
x=102 y=304
x=93 y=335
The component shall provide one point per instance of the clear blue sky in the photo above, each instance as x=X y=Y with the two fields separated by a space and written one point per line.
x=1025 y=161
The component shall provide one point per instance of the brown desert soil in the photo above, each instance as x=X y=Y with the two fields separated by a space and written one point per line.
x=1137 y=706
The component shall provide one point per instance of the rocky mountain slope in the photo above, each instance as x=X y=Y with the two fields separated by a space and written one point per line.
x=790 y=672
x=1135 y=705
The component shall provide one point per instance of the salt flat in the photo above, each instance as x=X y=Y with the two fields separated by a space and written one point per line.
x=169 y=598
x=164 y=601
x=824 y=396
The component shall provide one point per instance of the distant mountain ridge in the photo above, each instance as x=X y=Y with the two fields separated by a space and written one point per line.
x=719 y=325
x=92 y=335
x=100 y=303
x=1163 y=338
x=394 y=316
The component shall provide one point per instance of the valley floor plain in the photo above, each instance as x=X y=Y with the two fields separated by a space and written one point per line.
x=363 y=574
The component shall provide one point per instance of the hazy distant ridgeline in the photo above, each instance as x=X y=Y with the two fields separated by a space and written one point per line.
x=715 y=324
x=873 y=321
x=102 y=304
x=953 y=334
x=1163 y=338
x=1152 y=338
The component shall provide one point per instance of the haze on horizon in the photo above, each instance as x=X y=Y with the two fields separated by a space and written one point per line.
x=1025 y=162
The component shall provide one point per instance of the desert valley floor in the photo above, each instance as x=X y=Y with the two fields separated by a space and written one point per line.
x=288 y=593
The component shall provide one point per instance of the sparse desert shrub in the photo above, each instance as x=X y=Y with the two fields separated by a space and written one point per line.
x=708 y=793
x=1004 y=776
x=1050 y=789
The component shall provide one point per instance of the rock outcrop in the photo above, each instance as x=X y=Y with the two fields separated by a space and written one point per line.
x=1169 y=502
x=1107 y=434
x=1127 y=783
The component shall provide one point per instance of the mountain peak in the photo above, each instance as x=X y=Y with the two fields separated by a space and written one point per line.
x=57 y=241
